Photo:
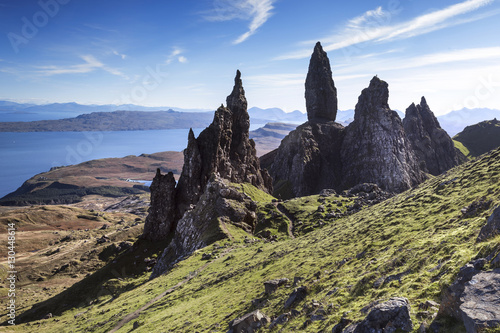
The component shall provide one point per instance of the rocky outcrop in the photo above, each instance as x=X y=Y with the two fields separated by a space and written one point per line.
x=251 y=322
x=433 y=147
x=474 y=297
x=321 y=94
x=388 y=317
x=308 y=160
x=224 y=148
x=375 y=148
x=219 y=205
x=492 y=227
x=160 y=221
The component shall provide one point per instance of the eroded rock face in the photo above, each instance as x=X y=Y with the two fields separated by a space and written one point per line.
x=308 y=160
x=162 y=211
x=224 y=148
x=375 y=148
x=219 y=205
x=433 y=147
x=321 y=94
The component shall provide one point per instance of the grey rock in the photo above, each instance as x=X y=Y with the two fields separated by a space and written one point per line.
x=308 y=160
x=224 y=148
x=341 y=325
x=272 y=285
x=480 y=301
x=296 y=296
x=492 y=227
x=433 y=147
x=375 y=148
x=249 y=323
x=388 y=317
x=321 y=94
x=201 y=226
x=162 y=211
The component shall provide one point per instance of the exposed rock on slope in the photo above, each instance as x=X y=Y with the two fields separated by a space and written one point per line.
x=321 y=94
x=308 y=159
x=220 y=204
x=375 y=148
x=433 y=147
x=224 y=148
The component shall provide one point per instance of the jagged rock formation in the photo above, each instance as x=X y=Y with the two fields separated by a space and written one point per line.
x=308 y=160
x=219 y=205
x=321 y=94
x=433 y=147
x=224 y=148
x=323 y=154
x=376 y=149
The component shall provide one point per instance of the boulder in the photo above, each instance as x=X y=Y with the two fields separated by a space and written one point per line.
x=434 y=149
x=296 y=296
x=480 y=300
x=388 y=317
x=321 y=94
x=375 y=148
x=249 y=323
x=272 y=285
x=492 y=227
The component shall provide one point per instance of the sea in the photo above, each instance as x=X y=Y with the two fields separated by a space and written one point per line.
x=23 y=155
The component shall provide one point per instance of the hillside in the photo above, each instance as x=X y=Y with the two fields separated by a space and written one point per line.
x=109 y=177
x=411 y=245
x=480 y=138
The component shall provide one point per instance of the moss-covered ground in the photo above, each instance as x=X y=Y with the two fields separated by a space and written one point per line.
x=411 y=245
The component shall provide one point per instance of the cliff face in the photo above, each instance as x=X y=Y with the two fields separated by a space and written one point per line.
x=376 y=149
x=433 y=147
x=223 y=148
x=308 y=160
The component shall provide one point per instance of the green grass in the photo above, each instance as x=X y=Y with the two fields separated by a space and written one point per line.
x=460 y=146
x=420 y=234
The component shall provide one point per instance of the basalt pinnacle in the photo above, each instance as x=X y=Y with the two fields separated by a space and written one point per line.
x=223 y=148
x=433 y=147
x=321 y=94
x=375 y=148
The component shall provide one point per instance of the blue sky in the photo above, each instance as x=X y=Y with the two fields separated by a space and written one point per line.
x=185 y=53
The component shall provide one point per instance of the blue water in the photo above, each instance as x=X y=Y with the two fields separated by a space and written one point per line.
x=23 y=155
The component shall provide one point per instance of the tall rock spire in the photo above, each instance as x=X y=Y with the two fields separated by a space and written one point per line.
x=375 y=148
x=223 y=147
x=321 y=94
x=433 y=147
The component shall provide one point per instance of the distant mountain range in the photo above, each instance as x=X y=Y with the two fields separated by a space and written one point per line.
x=452 y=122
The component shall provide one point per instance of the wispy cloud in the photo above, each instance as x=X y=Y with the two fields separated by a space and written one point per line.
x=375 y=26
x=255 y=11
x=176 y=55
x=121 y=55
x=90 y=64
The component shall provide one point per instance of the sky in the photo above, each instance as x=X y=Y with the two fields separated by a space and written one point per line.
x=185 y=53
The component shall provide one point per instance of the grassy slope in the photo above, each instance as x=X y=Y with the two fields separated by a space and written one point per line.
x=421 y=233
